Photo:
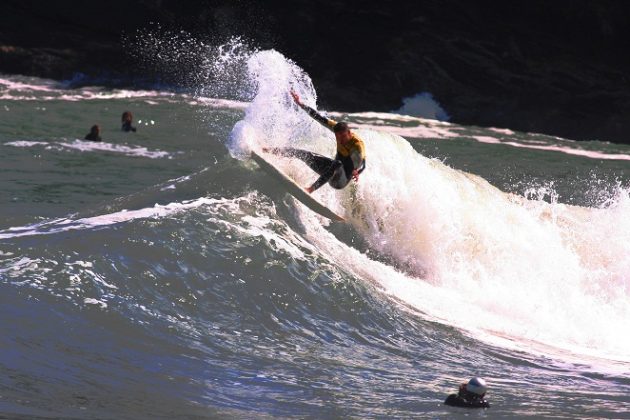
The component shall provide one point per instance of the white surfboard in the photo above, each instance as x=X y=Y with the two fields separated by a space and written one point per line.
x=295 y=190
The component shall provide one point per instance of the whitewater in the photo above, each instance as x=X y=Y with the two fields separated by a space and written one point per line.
x=162 y=273
x=453 y=230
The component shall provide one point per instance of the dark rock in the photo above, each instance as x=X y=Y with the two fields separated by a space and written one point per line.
x=556 y=67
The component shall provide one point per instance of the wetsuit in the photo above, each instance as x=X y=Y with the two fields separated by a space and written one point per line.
x=126 y=127
x=93 y=137
x=337 y=172
x=466 y=399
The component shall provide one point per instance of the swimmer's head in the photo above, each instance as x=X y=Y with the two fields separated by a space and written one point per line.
x=477 y=386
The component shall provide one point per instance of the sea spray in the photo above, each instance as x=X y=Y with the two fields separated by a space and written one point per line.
x=495 y=263
x=272 y=119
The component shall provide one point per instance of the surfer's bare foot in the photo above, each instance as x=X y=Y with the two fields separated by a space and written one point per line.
x=309 y=189
x=265 y=149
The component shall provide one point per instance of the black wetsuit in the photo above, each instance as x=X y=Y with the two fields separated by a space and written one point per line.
x=126 y=127
x=337 y=172
x=93 y=137
x=470 y=401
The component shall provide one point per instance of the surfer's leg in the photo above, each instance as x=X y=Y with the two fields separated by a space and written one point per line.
x=334 y=168
x=340 y=178
x=318 y=163
x=280 y=151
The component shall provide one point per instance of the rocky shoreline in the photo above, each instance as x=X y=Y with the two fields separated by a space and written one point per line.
x=560 y=68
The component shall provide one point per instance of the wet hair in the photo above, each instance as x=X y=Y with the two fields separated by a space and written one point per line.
x=341 y=126
x=126 y=115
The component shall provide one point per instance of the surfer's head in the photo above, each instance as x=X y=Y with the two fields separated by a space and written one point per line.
x=126 y=117
x=342 y=132
x=95 y=130
x=475 y=389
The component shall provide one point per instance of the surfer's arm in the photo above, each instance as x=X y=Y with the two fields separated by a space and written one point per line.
x=326 y=122
x=357 y=159
x=357 y=155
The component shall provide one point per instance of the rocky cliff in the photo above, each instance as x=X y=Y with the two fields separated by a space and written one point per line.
x=559 y=67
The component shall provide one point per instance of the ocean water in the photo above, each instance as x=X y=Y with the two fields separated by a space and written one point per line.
x=162 y=274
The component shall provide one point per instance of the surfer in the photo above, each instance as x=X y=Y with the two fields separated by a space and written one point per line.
x=127 y=119
x=94 y=134
x=470 y=395
x=347 y=164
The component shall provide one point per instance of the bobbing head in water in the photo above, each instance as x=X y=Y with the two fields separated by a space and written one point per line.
x=475 y=389
x=94 y=134
x=470 y=395
x=127 y=117
x=127 y=120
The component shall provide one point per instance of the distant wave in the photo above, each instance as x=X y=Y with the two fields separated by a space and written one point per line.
x=69 y=224
x=90 y=146
x=593 y=154
x=432 y=129
x=44 y=90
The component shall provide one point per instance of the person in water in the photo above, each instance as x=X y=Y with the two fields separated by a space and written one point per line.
x=347 y=164
x=94 y=134
x=470 y=395
x=127 y=119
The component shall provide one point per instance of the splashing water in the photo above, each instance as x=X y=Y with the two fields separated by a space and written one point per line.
x=497 y=264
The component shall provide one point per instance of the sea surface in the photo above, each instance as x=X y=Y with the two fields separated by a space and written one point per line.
x=162 y=274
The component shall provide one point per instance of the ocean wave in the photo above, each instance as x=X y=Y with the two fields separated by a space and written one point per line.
x=432 y=129
x=575 y=151
x=90 y=146
x=544 y=274
x=43 y=90
x=69 y=224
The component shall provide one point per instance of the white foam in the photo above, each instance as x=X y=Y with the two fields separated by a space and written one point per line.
x=26 y=143
x=530 y=271
x=91 y=301
x=69 y=224
x=43 y=90
x=42 y=86
x=593 y=154
x=502 y=131
x=387 y=118
x=90 y=146
x=504 y=268
x=421 y=131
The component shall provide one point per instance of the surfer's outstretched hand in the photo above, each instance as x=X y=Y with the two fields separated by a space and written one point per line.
x=355 y=175
x=296 y=97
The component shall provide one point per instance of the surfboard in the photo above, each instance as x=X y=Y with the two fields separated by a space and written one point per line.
x=295 y=190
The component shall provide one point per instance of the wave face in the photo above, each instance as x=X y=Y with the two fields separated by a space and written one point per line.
x=161 y=273
x=526 y=269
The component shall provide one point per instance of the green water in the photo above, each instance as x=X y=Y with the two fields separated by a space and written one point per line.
x=155 y=275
